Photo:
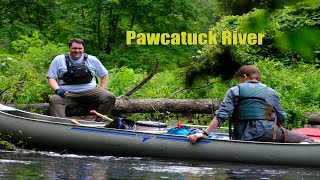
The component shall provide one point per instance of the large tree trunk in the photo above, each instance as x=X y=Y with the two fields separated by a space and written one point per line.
x=126 y=105
x=313 y=119
x=204 y=106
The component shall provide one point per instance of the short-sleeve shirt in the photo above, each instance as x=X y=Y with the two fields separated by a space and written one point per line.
x=58 y=67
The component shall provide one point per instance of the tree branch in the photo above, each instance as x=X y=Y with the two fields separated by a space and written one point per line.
x=145 y=80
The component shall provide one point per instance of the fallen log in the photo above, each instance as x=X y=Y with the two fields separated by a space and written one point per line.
x=204 y=106
x=313 y=119
x=128 y=105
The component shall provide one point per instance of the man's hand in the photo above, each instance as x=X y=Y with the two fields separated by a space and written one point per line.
x=60 y=92
x=193 y=137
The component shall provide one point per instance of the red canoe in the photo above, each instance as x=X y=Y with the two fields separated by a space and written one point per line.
x=313 y=133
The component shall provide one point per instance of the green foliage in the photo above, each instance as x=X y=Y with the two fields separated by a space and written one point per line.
x=7 y=145
x=298 y=87
x=103 y=24
x=167 y=84
x=291 y=37
x=123 y=79
x=240 y=7
x=298 y=83
x=145 y=57
x=23 y=76
x=12 y=31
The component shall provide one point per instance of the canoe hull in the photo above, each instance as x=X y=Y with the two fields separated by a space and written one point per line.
x=49 y=133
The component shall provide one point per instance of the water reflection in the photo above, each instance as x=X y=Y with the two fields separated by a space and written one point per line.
x=49 y=165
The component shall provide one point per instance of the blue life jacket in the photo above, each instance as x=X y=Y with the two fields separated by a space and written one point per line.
x=251 y=106
x=251 y=103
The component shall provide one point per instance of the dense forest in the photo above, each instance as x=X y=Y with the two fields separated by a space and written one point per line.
x=33 y=32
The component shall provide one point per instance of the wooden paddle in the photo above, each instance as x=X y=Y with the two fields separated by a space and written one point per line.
x=73 y=121
x=179 y=124
x=101 y=115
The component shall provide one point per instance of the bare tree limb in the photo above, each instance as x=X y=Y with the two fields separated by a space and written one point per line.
x=182 y=89
x=145 y=80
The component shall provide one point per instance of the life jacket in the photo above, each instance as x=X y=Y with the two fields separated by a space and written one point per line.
x=78 y=73
x=251 y=106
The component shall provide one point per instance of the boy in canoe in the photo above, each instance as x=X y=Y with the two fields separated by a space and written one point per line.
x=255 y=111
x=71 y=76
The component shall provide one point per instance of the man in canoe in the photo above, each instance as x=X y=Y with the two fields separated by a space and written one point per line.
x=72 y=77
x=255 y=111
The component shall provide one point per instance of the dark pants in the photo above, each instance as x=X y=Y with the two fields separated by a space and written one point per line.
x=102 y=99
x=289 y=137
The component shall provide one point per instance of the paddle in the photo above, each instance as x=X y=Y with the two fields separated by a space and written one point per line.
x=196 y=126
x=179 y=124
x=73 y=121
x=118 y=123
x=101 y=115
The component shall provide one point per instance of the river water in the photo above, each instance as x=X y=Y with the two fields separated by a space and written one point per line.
x=50 y=165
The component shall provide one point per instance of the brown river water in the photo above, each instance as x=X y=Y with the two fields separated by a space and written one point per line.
x=50 y=165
